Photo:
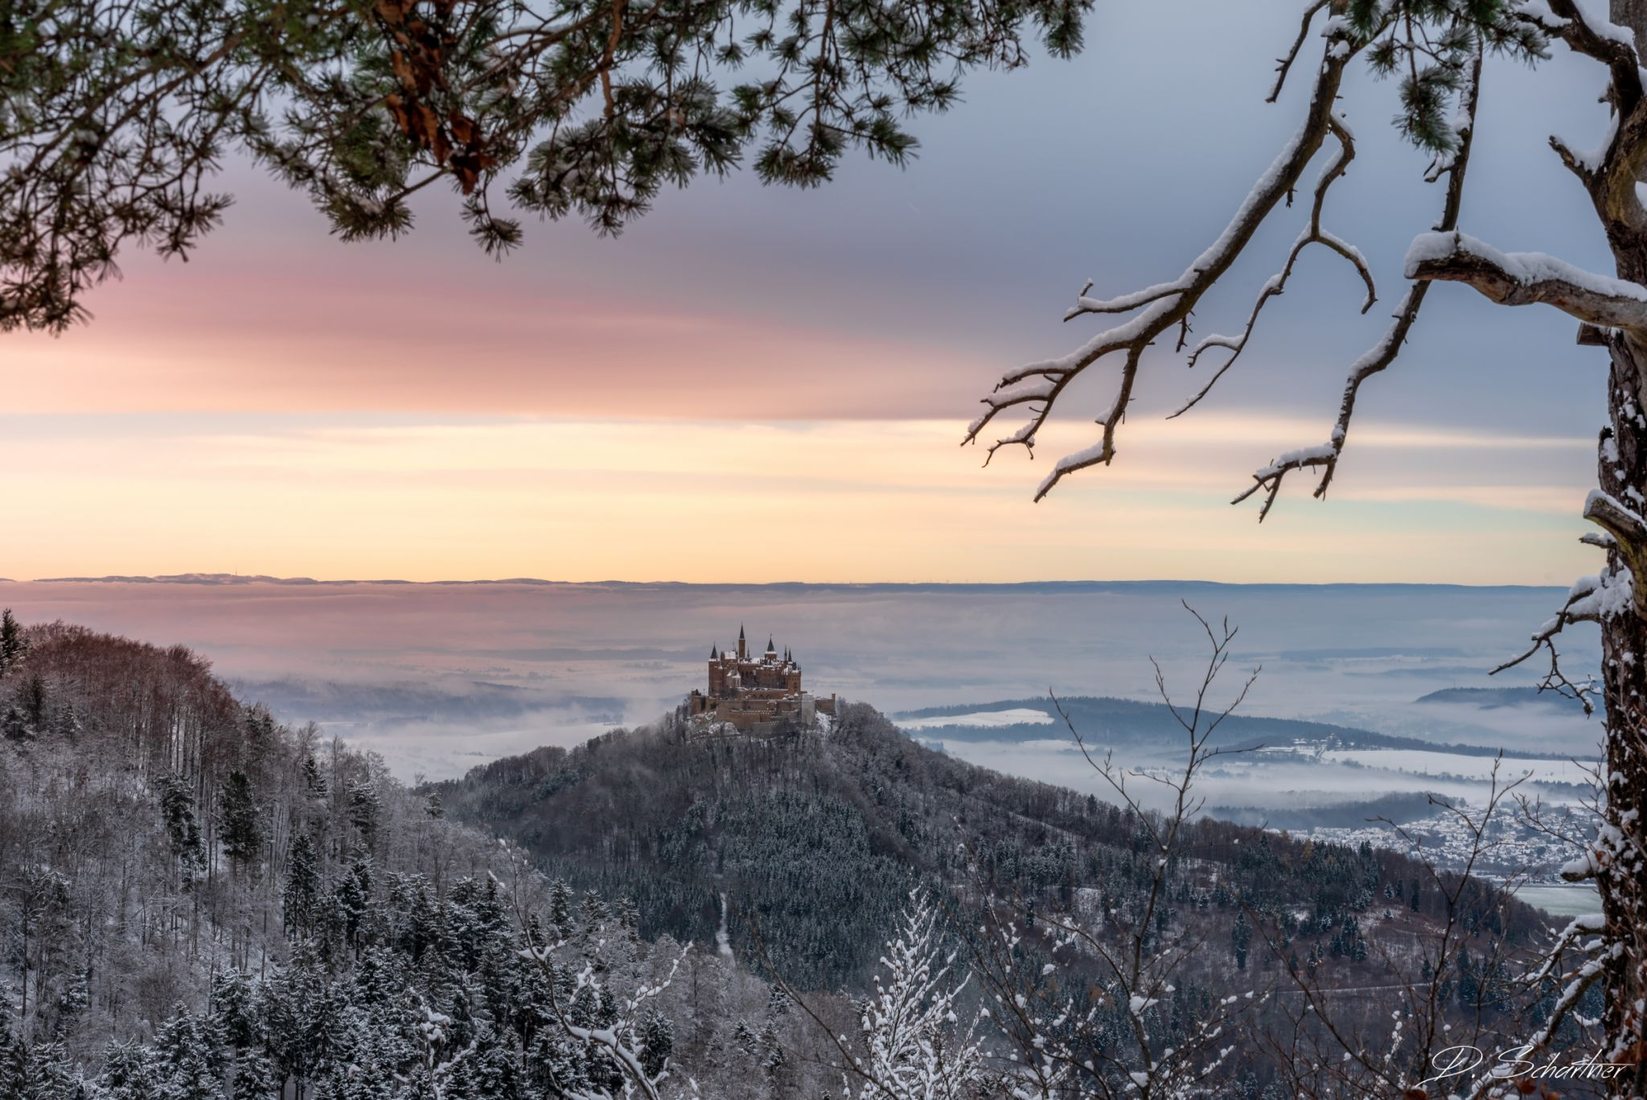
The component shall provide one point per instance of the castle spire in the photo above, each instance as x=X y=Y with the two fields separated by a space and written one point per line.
x=770 y=648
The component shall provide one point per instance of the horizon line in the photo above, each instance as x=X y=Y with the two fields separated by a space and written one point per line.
x=239 y=579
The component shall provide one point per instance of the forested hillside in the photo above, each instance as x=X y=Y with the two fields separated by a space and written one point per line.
x=200 y=903
x=816 y=837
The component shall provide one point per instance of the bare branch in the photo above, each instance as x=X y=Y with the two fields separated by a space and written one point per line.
x=1284 y=65
x=1166 y=306
x=1276 y=285
x=1377 y=358
x=1579 y=607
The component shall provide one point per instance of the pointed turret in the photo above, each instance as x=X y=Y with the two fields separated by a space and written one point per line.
x=712 y=652
x=771 y=648
x=743 y=650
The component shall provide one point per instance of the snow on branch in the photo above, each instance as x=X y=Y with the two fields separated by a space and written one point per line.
x=1377 y=358
x=1525 y=278
x=1628 y=532
x=1611 y=173
x=1035 y=389
x=1598 y=39
x=1276 y=285
x=915 y=1049
x=1582 y=605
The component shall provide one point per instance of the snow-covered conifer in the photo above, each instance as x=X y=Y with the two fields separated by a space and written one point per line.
x=915 y=1045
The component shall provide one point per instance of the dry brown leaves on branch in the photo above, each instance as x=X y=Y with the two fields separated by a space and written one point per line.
x=417 y=57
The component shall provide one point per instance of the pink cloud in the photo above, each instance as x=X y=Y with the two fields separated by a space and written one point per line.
x=363 y=334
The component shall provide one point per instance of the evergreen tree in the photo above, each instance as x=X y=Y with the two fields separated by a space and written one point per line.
x=12 y=643
x=14 y=1060
x=188 y=1059
x=352 y=899
x=560 y=907
x=313 y=781
x=614 y=114
x=52 y=1075
x=297 y=1016
x=1240 y=939
x=129 y=1073
x=492 y=1071
x=364 y=808
x=238 y=824
x=32 y=700
x=182 y=830
x=233 y=1006
x=301 y=893
x=73 y=1000
x=657 y=1042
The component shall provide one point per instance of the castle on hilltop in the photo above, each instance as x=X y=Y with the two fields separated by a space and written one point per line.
x=754 y=694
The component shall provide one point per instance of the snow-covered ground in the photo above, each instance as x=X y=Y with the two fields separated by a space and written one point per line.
x=1479 y=768
x=981 y=719
x=1562 y=901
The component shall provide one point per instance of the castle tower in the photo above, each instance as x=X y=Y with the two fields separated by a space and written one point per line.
x=743 y=649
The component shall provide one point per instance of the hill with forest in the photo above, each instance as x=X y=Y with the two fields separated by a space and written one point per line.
x=816 y=836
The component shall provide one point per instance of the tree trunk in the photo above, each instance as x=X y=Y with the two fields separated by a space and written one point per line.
x=1632 y=14
x=1621 y=871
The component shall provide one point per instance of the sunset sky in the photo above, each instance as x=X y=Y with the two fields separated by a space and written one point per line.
x=761 y=384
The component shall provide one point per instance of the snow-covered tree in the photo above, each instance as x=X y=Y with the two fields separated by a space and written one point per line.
x=301 y=893
x=1435 y=49
x=177 y=806
x=598 y=1040
x=188 y=1059
x=238 y=823
x=915 y=1045
x=12 y=643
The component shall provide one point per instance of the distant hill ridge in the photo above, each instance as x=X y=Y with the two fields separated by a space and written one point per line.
x=1106 y=720
x=1494 y=698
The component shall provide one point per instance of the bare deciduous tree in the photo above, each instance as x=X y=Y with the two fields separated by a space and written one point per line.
x=1062 y=1046
x=1437 y=48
